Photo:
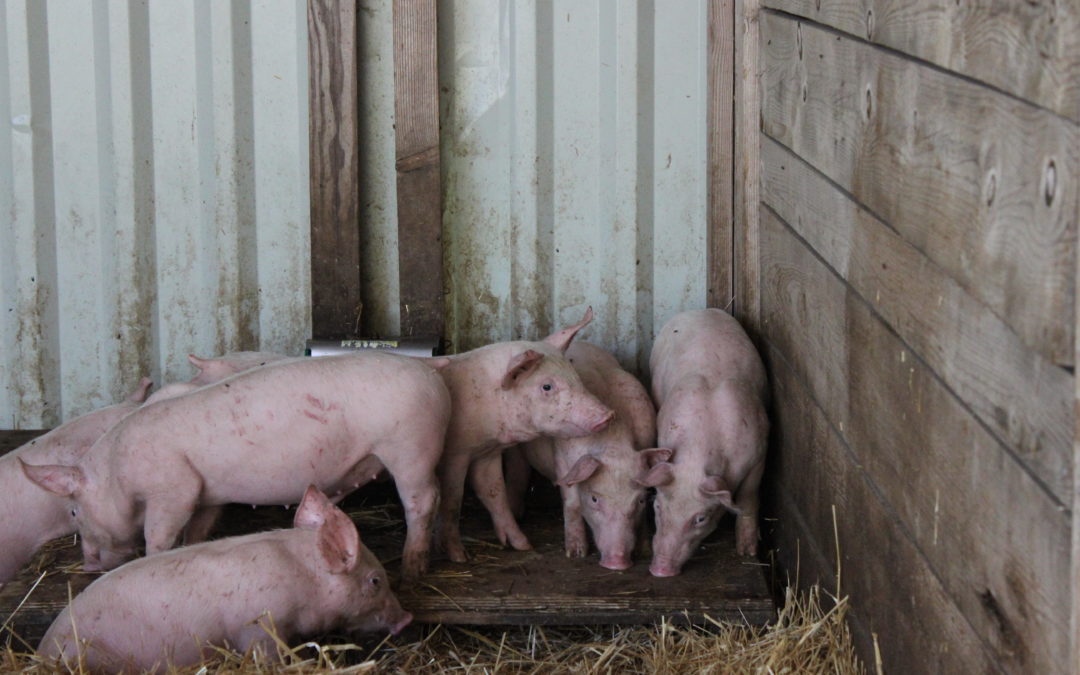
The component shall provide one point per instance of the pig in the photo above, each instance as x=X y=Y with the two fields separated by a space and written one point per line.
x=597 y=474
x=260 y=437
x=29 y=517
x=503 y=394
x=710 y=387
x=173 y=608
x=215 y=369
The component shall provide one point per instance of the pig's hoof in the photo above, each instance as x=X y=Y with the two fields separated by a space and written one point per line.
x=457 y=554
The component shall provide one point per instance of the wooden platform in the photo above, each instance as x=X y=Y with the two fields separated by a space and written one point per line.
x=497 y=587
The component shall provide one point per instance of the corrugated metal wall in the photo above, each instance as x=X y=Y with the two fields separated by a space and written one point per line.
x=574 y=161
x=154 y=176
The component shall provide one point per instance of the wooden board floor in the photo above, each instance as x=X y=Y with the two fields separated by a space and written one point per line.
x=497 y=587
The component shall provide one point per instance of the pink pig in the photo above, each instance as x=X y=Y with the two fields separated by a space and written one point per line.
x=503 y=394
x=597 y=473
x=29 y=516
x=172 y=609
x=710 y=386
x=260 y=437
x=214 y=370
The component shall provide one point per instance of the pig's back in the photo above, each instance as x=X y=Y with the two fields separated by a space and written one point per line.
x=619 y=390
x=707 y=343
x=154 y=607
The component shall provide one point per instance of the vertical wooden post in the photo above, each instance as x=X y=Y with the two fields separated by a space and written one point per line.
x=416 y=106
x=1074 y=618
x=335 y=188
x=720 y=119
x=747 y=163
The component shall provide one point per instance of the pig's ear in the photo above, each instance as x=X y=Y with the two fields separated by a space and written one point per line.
x=714 y=486
x=339 y=542
x=654 y=456
x=582 y=469
x=520 y=366
x=311 y=513
x=139 y=394
x=562 y=339
x=60 y=480
x=198 y=363
x=660 y=474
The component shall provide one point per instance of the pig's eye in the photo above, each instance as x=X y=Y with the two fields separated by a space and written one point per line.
x=374 y=581
x=641 y=501
x=700 y=519
x=547 y=386
x=72 y=513
x=593 y=498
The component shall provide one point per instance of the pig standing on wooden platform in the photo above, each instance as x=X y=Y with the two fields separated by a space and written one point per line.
x=596 y=474
x=171 y=609
x=260 y=437
x=30 y=516
x=709 y=384
x=503 y=394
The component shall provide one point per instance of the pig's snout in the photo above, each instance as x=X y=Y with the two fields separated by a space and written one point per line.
x=619 y=561
x=661 y=567
x=599 y=423
x=400 y=625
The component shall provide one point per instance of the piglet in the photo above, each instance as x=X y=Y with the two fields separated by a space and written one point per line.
x=211 y=370
x=172 y=609
x=710 y=386
x=29 y=516
x=597 y=473
x=503 y=394
x=260 y=437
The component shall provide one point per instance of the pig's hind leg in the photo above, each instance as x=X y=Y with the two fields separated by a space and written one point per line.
x=746 y=500
x=202 y=522
x=486 y=478
x=576 y=539
x=451 y=471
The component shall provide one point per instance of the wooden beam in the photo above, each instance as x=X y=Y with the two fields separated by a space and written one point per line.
x=746 y=259
x=1025 y=400
x=416 y=106
x=1029 y=49
x=334 y=161
x=949 y=482
x=980 y=182
x=720 y=119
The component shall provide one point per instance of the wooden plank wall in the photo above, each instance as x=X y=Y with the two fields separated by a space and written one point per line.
x=906 y=257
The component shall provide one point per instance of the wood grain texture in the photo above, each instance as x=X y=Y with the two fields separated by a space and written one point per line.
x=1024 y=399
x=983 y=184
x=416 y=110
x=1029 y=49
x=334 y=161
x=996 y=540
x=747 y=162
x=720 y=121
x=1074 y=629
x=893 y=591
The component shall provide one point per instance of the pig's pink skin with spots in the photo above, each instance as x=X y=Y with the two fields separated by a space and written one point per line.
x=260 y=437
x=169 y=608
x=710 y=387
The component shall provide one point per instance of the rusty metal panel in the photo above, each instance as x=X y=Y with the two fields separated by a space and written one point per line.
x=574 y=157
x=154 y=172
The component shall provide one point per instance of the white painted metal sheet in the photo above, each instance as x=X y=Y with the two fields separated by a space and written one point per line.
x=154 y=175
x=574 y=163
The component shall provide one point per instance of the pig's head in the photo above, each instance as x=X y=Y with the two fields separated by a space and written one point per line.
x=545 y=394
x=354 y=588
x=689 y=503
x=107 y=527
x=611 y=502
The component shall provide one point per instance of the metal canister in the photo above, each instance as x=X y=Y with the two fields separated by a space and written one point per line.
x=407 y=346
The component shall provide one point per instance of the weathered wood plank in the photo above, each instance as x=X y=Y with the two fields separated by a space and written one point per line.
x=1029 y=49
x=1025 y=400
x=1074 y=629
x=894 y=592
x=747 y=162
x=334 y=161
x=994 y=209
x=992 y=535
x=416 y=115
x=720 y=124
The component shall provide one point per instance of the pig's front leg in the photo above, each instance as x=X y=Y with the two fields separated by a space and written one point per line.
x=746 y=523
x=576 y=539
x=168 y=512
x=198 y=528
x=486 y=477
x=419 y=494
x=451 y=472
